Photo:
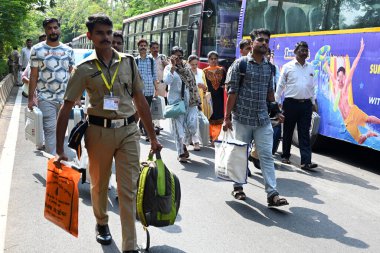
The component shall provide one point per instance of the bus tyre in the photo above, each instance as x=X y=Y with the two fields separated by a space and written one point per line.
x=314 y=129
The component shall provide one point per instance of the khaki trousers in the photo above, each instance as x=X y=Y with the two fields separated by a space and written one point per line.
x=104 y=144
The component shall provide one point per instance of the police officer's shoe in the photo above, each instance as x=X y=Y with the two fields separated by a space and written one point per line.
x=103 y=235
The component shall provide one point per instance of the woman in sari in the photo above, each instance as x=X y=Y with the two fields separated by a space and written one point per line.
x=215 y=78
x=183 y=127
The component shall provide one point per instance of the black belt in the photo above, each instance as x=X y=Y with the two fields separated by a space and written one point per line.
x=110 y=123
x=299 y=100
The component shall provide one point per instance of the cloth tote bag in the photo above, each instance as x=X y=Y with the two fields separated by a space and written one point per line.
x=231 y=158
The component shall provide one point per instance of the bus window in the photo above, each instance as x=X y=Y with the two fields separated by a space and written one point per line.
x=166 y=21
x=183 y=42
x=148 y=25
x=166 y=43
x=157 y=23
x=171 y=19
x=354 y=14
x=176 y=40
x=270 y=19
x=156 y=37
x=303 y=16
x=131 y=44
x=131 y=28
x=139 y=26
x=179 y=17
x=254 y=14
x=220 y=27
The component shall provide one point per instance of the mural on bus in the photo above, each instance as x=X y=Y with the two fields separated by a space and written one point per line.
x=347 y=70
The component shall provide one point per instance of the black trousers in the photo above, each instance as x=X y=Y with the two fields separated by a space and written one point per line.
x=297 y=112
x=149 y=100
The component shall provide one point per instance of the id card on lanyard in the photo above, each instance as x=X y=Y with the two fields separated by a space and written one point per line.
x=110 y=102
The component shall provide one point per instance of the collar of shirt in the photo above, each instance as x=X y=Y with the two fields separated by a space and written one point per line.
x=295 y=62
x=251 y=59
x=94 y=56
x=146 y=57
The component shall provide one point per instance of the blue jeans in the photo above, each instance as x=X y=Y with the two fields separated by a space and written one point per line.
x=263 y=137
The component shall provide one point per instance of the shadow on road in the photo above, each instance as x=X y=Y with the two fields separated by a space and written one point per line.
x=299 y=220
x=164 y=249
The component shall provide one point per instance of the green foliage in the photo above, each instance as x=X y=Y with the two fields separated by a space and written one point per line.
x=141 y=6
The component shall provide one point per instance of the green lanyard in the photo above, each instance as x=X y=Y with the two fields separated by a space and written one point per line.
x=109 y=86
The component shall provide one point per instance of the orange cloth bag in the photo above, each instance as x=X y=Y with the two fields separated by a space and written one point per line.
x=62 y=198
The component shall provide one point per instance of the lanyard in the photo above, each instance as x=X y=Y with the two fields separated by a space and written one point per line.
x=109 y=86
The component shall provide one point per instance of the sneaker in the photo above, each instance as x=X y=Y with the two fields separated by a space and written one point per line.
x=197 y=147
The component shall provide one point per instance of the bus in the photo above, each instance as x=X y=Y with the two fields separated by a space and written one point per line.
x=198 y=26
x=343 y=38
x=82 y=42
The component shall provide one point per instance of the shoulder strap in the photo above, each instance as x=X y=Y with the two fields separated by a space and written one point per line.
x=183 y=90
x=151 y=64
x=242 y=69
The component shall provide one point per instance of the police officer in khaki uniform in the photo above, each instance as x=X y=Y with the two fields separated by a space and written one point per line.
x=112 y=81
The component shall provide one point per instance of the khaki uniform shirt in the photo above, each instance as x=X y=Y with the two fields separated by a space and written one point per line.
x=88 y=77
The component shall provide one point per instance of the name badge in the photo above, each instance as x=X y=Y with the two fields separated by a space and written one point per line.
x=111 y=103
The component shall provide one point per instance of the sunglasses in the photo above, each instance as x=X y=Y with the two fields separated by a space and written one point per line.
x=261 y=40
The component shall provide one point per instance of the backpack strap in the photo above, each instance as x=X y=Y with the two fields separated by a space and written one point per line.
x=242 y=69
x=151 y=63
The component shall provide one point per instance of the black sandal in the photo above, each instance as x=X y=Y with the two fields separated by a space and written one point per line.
x=278 y=202
x=238 y=193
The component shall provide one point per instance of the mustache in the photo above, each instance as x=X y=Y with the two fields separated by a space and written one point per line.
x=142 y=49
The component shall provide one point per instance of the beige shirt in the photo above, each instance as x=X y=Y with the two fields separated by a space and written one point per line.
x=296 y=81
x=161 y=62
x=88 y=77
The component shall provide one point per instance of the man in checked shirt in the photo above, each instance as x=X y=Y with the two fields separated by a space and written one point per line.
x=147 y=69
x=247 y=101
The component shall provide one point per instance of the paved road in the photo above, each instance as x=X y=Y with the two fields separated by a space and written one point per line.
x=335 y=209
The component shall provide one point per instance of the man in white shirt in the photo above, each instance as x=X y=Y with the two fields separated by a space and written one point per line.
x=297 y=83
x=25 y=54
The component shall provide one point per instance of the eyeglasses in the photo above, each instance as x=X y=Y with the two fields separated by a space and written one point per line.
x=261 y=40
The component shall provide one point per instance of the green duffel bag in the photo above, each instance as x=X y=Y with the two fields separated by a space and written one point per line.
x=158 y=194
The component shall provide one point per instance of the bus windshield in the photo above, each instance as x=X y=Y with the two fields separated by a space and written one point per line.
x=294 y=16
x=220 y=25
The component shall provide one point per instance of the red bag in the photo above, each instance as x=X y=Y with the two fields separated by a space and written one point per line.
x=61 y=198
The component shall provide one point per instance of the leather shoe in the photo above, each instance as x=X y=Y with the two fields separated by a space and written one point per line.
x=103 y=235
x=309 y=166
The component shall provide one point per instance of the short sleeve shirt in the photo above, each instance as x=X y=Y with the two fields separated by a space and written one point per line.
x=87 y=77
x=53 y=65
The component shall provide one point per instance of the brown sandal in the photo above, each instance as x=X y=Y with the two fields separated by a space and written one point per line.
x=285 y=160
x=279 y=201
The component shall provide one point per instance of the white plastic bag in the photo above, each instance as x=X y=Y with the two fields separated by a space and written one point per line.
x=157 y=108
x=231 y=158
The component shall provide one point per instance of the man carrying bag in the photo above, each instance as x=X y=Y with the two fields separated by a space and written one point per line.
x=254 y=123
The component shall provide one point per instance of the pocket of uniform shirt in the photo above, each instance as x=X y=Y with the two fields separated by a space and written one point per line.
x=125 y=85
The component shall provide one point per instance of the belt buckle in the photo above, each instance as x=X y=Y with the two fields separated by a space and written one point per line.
x=116 y=123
